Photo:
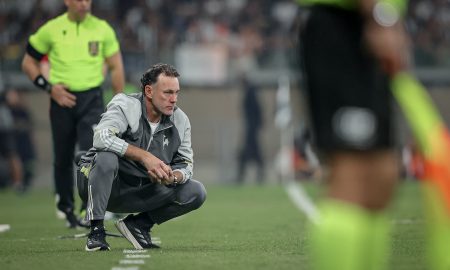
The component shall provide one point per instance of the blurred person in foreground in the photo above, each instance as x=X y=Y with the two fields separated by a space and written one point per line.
x=78 y=45
x=350 y=50
x=141 y=162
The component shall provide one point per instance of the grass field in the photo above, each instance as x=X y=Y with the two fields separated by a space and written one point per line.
x=249 y=227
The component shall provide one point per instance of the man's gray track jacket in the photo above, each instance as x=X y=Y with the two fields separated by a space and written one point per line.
x=125 y=122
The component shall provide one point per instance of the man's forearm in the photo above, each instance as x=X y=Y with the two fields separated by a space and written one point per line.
x=135 y=153
x=118 y=80
x=384 y=33
x=105 y=139
x=30 y=66
x=115 y=65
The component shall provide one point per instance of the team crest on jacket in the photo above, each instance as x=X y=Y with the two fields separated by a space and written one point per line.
x=93 y=48
x=165 y=141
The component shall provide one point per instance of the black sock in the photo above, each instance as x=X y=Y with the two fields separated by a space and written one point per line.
x=144 y=220
x=96 y=223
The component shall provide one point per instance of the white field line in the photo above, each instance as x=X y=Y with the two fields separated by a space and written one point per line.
x=302 y=201
x=133 y=257
x=126 y=261
x=137 y=256
x=4 y=227
x=132 y=251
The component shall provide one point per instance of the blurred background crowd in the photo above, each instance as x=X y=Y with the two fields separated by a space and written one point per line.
x=428 y=23
x=244 y=34
x=241 y=34
x=213 y=44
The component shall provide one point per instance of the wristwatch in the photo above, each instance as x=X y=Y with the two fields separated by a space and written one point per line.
x=385 y=14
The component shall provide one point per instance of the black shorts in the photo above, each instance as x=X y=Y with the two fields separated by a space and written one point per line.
x=7 y=143
x=348 y=95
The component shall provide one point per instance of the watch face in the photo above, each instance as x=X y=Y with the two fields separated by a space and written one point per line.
x=385 y=14
x=41 y=81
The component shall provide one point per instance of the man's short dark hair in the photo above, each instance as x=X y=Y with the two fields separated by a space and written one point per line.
x=151 y=75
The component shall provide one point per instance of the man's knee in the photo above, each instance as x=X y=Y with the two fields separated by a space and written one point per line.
x=198 y=193
x=106 y=162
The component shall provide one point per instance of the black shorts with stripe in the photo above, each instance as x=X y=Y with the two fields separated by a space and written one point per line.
x=348 y=94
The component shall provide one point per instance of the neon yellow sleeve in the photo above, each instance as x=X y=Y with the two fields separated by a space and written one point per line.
x=401 y=5
x=111 y=45
x=41 y=40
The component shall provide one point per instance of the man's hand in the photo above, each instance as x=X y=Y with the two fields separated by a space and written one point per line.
x=159 y=172
x=174 y=178
x=63 y=97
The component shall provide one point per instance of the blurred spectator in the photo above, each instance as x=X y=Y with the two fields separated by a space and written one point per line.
x=22 y=132
x=10 y=164
x=428 y=22
x=251 y=148
x=306 y=163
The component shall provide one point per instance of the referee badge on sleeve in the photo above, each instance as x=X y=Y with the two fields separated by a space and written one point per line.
x=93 y=48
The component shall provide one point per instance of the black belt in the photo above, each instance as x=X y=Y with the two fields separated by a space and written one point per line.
x=97 y=88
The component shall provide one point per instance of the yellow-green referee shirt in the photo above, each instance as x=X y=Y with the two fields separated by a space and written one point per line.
x=76 y=51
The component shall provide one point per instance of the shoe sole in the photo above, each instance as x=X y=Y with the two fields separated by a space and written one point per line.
x=123 y=229
x=96 y=249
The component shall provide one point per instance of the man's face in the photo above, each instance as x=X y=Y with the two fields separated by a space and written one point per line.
x=163 y=94
x=78 y=9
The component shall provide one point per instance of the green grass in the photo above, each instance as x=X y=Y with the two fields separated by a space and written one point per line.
x=248 y=227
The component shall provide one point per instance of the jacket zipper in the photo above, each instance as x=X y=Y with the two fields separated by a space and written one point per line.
x=156 y=131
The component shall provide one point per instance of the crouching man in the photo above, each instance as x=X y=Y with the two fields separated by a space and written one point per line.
x=141 y=162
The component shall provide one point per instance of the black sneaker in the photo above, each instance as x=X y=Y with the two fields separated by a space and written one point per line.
x=138 y=236
x=96 y=240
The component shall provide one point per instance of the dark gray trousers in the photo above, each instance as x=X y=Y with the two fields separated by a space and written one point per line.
x=107 y=188
x=69 y=127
